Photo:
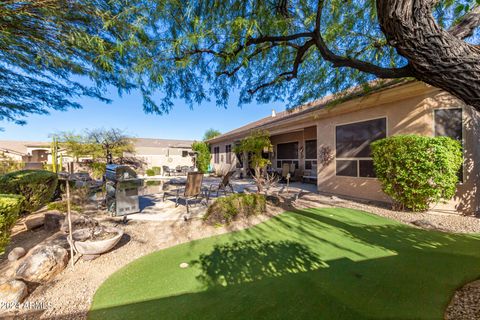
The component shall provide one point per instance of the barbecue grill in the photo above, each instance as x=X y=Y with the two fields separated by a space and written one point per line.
x=122 y=187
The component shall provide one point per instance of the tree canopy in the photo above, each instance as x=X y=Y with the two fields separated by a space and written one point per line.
x=54 y=51
x=99 y=144
x=210 y=134
x=299 y=50
x=292 y=50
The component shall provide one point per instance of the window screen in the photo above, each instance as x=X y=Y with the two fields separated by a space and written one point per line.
x=353 y=140
x=287 y=150
x=353 y=147
x=448 y=122
x=311 y=149
x=347 y=168
x=216 y=154
x=228 y=153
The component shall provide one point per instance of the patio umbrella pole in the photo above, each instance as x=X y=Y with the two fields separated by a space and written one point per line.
x=69 y=217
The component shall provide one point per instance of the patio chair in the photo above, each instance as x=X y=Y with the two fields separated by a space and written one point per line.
x=192 y=190
x=285 y=171
x=223 y=185
x=184 y=169
x=297 y=175
x=168 y=171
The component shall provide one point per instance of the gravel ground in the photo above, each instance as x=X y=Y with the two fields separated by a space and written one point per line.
x=465 y=305
x=69 y=296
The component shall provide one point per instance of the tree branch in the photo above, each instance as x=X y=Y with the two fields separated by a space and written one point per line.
x=340 y=61
x=289 y=75
x=467 y=25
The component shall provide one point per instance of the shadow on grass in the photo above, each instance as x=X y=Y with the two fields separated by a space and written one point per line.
x=253 y=260
x=404 y=273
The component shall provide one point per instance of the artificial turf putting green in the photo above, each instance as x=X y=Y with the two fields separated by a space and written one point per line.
x=327 y=263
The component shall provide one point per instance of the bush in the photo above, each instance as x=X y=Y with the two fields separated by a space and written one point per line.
x=203 y=156
x=62 y=206
x=37 y=186
x=157 y=170
x=10 y=206
x=239 y=205
x=98 y=169
x=150 y=172
x=416 y=171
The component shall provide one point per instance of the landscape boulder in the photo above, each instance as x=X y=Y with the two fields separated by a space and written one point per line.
x=58 y=239
x=13 y=292
x=53 y=220
x=42 y=263
x=16 y=254
x=34 y=221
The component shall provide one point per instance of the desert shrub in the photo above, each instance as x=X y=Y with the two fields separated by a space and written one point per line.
x=416 y=171
x=97 y=169
x=62 y=206
x=10 y=206
x=37 y=186
x=9 y=165
x=236 y=206
x=203 y=155
x=150 y=172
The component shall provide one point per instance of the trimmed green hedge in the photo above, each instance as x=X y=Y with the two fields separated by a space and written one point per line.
x=150 y=172
x=239 y=205
x=416 y=171
x=10 y=206
x=37 y=186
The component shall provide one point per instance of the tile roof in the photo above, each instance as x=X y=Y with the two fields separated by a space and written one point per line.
x=315 y=105
x=161 y=143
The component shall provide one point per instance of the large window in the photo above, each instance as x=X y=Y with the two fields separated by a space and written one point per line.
x=287 y=150
x=228 y=153
x=287 y=153
x=448 y=122
x=216 y=154
x=353 y=154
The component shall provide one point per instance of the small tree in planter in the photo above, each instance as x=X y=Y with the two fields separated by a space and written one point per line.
x=255 y=144
x=416 y=171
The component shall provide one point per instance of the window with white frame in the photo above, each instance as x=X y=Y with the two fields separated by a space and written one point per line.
x=352 y=143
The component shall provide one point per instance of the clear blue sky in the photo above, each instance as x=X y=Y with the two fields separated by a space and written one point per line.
x=126 y=113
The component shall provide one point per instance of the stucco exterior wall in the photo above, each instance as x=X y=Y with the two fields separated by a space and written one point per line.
x=222 y=167
x=408 y=109
x=407 y=116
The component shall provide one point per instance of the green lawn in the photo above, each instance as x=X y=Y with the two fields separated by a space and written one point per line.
x=309 y=264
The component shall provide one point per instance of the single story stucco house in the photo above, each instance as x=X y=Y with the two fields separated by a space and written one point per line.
x=329 y=139
x=150 y=152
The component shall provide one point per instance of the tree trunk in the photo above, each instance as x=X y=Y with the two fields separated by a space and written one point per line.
x=436 y=56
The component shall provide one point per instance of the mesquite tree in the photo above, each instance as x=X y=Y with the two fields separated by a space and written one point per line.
x=292 y=50
x=299 y=50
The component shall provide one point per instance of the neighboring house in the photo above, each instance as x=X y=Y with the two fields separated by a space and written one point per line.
x=163 y=152
x=151 y=152
x=330 y=141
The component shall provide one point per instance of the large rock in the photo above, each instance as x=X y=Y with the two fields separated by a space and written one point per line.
x=16 y=254
x=58 y=239
x=42 y=263
x=13 y=292
x=53 y=220
x=33 y=222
